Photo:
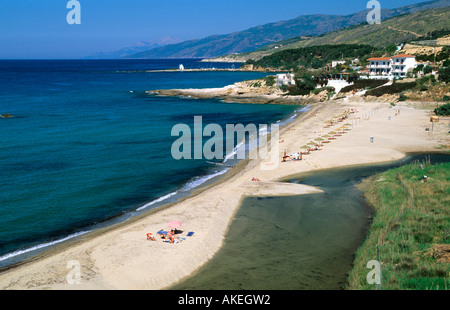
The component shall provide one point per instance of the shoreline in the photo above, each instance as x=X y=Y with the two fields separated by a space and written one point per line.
x=45 y=249
x=105 y=254
x=239 y=93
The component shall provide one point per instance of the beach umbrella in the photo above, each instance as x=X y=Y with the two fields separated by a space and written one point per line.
x=305 y=147
x=174 y=224
x=318 y=139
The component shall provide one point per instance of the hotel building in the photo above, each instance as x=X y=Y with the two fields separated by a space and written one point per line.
x=391 y=67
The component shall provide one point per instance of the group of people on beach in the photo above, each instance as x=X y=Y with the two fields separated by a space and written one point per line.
x=297 y=156
x=170 y=236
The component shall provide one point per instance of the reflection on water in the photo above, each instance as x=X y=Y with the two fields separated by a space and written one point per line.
x=297 y=242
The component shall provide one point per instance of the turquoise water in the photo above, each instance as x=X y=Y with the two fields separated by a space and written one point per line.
x=303 y=242
x=87 y=144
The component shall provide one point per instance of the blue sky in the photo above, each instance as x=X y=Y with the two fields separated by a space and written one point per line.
x=38 y=28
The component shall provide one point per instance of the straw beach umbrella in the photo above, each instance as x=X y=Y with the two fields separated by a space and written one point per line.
x=319 y=140
x=306 y=147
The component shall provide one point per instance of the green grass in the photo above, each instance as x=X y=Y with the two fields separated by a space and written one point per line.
x=411 y=225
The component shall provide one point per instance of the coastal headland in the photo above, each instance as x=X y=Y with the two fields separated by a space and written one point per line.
x=120 y=257
x=243 y=92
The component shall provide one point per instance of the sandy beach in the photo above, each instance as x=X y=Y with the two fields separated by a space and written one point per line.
x=120 y=257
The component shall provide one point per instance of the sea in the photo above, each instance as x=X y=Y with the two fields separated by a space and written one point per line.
x=88 y=147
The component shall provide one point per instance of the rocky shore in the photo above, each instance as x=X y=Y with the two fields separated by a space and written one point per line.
x=255 y=91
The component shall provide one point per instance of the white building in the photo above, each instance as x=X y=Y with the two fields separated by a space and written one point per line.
x=401 y=64
x=285 y=79
x=380 y=66
x=334 y=63
x=337 y=81
x=390 y=67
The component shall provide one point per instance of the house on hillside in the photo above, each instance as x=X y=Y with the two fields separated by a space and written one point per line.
x=337 y=81
x=285 y=79
x=391 y=67
x=402 y=63
x=379 y=66
x=334 y=63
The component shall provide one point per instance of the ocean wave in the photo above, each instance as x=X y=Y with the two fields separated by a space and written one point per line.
x=234 y=152
x=197 y=181
x=40 y=246
x=193 y=183
x=162 y=198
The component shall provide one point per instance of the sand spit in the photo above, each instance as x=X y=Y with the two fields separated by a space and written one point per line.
x=120 y=257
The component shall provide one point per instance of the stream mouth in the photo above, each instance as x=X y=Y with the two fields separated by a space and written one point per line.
x=305 y=242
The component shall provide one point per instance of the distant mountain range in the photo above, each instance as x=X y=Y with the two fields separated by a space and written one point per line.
x=257 y=37
x=396 y=30
x=131 y=50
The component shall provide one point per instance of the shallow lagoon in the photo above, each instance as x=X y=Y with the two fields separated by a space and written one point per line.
x=297 y=242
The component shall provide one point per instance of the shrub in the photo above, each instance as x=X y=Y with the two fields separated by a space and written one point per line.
x=402 y=97
x=270 y=80
x=284 y=88
x=391 y=89
x=443 y=110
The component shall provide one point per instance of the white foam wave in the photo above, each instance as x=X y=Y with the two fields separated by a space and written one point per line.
x=304 y=109
x=40 y=246
x=197 y=181
x=234 y=152
x=162 y=198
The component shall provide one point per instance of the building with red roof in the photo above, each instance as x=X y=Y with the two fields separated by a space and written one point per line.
x=391 y=67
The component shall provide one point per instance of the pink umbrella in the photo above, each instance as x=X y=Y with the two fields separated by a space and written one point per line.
x=174 y=224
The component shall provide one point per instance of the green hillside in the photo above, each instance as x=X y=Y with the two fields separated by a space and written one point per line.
x=400 y=29
x=260 y=36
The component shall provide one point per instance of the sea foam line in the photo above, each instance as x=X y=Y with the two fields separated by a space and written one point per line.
x=162 y=198
x=40 y=246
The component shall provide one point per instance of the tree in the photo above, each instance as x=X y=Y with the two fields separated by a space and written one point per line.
x=303 y=86
x=427 y=70
x=444 y=74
